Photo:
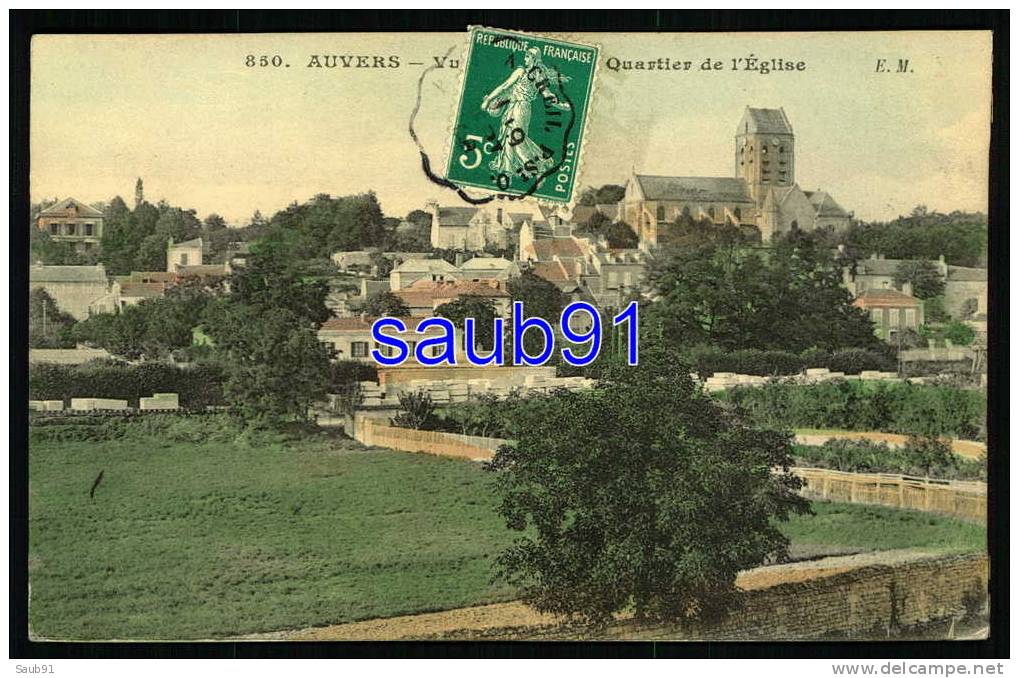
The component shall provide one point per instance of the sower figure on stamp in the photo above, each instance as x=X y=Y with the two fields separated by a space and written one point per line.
x=518 y=154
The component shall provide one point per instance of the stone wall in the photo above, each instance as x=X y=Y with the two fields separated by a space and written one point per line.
x=884 y=595
x=875 y=600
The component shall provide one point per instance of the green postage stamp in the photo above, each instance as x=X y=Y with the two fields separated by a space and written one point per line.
x=520 y=119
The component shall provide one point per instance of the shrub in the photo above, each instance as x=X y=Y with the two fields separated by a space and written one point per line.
x=344 y=373
x=959 y=333
x=920 y=456
x=417 y=411
x=197 y=386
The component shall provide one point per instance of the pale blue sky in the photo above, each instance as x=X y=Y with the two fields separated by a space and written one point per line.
x=205 y=131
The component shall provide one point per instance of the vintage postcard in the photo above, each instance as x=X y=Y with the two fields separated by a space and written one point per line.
x=504 y=335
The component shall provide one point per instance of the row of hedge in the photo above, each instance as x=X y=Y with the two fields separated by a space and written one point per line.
x=197 y=386
x=706 y=360
x=892 y=407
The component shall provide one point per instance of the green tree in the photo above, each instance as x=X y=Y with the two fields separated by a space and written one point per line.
x=960 y=236
x=479 y=308
x=266 y=334
x=923 y=275
x=48 y=326
x=621 y=508
x=325 y=225
x=384 y=303
x=603 y=195
x=540 y=299
x=732 y=297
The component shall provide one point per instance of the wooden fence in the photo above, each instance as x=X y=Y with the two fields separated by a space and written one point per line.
x=967 y=500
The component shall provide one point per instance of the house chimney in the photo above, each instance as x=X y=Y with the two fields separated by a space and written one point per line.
x=907 y=288
x=460 y=255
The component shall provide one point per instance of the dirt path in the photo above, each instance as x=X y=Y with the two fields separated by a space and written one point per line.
x=970 y=449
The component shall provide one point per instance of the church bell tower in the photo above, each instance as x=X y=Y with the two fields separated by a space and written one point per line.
x=764 y=151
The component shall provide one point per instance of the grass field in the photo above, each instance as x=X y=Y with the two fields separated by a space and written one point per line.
x=201 y=540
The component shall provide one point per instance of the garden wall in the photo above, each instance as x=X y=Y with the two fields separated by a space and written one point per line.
x=371 y=431
x=876 y=600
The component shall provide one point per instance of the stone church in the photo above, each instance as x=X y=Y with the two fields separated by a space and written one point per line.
x=763 y=192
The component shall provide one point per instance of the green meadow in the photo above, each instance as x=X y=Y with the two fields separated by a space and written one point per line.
x=197 y=534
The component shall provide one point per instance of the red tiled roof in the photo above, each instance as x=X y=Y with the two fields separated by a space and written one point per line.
x=427 y=292
x=885 y=298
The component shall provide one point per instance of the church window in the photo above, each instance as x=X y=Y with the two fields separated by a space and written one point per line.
x=661 y=213
x=781 y=149
x=795 y=225
x=738 y=214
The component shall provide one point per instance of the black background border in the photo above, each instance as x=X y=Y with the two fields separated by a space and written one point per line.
x=24 y=24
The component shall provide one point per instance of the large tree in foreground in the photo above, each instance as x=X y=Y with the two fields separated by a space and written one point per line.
x=644 y=494
x=265 y=331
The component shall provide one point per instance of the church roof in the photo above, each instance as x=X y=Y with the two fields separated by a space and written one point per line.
x=766 y=121
x=694 y=189
x=825 y=204
x=60 y=209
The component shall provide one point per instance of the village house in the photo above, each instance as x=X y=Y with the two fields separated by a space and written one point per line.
x=891 y=311
x=362 y=261
x=492 y=268
x=965 y=288
x=475 y=228
x=614 y=276
x=424 y=296
x=73 y=222
x=187 y=253
x=351 y=338
x=413 y=270
x=80 y=291
x=763 y=192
